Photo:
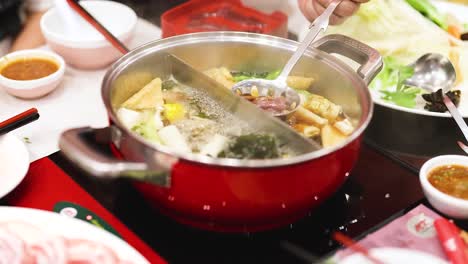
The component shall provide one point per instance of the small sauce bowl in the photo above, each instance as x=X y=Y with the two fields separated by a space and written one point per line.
x=445 y=203
x=35 y=88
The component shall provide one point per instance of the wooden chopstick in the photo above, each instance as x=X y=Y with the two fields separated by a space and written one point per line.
x=98 y=26
x=351 y=244
x=18 y=120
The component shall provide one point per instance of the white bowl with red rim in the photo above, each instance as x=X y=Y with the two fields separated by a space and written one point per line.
x=445 y=203
x=29 y=89
x=81 y=45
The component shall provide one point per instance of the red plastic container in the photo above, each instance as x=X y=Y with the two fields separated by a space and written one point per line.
x=221 y=15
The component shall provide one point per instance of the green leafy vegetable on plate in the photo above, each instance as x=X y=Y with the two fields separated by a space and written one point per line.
x=393 y=75
x=388 y=77
x=404 y=96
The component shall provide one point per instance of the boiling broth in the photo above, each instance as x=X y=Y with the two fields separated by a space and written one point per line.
x=188 y=120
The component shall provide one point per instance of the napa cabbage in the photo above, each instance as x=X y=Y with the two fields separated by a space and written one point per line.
x=395 y=29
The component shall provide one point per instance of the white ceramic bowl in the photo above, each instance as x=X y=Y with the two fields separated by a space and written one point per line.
x=81 y=45
x=449 y=205
x=32 y=88
x=14 y=163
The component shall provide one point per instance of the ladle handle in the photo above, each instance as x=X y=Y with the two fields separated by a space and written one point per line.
x=319 y=24
x=457 y=116
x=80 y=146
x=369 y=59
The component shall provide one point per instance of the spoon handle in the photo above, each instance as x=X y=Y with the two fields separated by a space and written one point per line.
x=457 y=116
x=321 y=23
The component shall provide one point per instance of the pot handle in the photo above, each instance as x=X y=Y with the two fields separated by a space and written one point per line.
x=81 y=146
x=369 y=59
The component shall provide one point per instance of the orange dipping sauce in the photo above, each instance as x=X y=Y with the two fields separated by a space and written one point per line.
x=450 y=179
x=29 y=69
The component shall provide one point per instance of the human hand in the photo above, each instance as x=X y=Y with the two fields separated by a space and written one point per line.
x=313 y=8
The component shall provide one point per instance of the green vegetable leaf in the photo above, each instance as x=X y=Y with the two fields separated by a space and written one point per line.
x=430 y=11
x=147 y=128
x=404 y=72
x=388 y=77
x=241 y=76
x=168 y=85
x=404 y=96
x=390 y=82
x=273 y=75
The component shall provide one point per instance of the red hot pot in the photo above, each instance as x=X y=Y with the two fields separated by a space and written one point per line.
x=226 y=195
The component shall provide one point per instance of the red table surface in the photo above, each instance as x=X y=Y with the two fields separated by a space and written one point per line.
x=46 y=184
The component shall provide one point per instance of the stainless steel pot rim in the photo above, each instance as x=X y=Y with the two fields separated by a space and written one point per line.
x=230 y=36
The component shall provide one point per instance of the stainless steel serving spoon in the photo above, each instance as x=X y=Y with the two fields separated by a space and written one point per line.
x=278 y=87
x=433 y=72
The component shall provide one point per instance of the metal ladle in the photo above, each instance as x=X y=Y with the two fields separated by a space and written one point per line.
x=433 y=72
x=279 y=87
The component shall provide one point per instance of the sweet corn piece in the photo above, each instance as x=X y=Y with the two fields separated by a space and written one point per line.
x=254 y=91
x=299 y=82
x=174 y=112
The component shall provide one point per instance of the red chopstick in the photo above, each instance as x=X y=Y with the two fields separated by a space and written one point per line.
x=351 y=244
x=452 y=243
x=98 y=26
x=18 y=120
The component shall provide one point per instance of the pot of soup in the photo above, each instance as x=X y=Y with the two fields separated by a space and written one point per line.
x=201 y=164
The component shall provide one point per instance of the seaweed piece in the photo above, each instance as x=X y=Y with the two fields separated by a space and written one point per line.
x=200 y=113
x=435 y=100
x=168 y=85
x=252 y=146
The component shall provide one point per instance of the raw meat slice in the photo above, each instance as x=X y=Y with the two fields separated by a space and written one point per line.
x=82 y=251
x=12 y=248
x=49 y=250
x=27 y=232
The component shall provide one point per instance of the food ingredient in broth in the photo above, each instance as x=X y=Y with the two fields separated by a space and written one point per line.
x=317 y=118
x=188 y=120
x=451 y=179
x=29 y=69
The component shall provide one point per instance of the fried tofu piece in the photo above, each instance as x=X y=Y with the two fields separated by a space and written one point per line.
x=221 y=75
x=331 y=136
x=149 y=97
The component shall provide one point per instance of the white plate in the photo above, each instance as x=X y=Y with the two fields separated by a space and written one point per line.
x=14 y=163
x=70 y=228
x=394 y=256
x=459 y=11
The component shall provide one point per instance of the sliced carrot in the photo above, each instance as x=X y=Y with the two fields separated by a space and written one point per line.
x=454 y=30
